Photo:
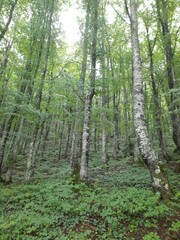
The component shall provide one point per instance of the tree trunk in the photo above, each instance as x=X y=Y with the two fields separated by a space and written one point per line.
x=4 y=30
x=30 y=159
x=162 y=11
x=104 y=131
x=60 y=140
x=5 y=138
x=157 y=106
x=77 y=132
x=3 y=76
x=104 y=101
x=89 y=98
x=116 y=126
x=68 y=134
x=159 y=181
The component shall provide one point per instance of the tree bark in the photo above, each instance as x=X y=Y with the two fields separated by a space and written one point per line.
x=77 y=132
x=116 y=102
x=159 y=180
x=3 y=76
x=162 y=11
x=104 y=100
x=89 y=98
x=157 y=106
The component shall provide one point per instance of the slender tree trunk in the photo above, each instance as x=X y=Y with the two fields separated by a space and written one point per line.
x=162 y=11
x=3 y=76
x=4 y=30
x=104 y=95
x=104 y=102
x=67 y=140
x=60 y=140
x=46 y=134
x=5 y=138
x=104 y=131
x=77 y=132
x=116 y=125
x=159 y=180
x=30 y=158
x=45 y=120
x=126 y=119
x=85 y=139
x=116 y=101
x=157 y=106
x=89 y=98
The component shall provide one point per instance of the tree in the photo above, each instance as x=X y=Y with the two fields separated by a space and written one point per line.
x=159 y=180
x=89 y=97
x=77 y=131
x=162 y=12
x=3 y=29
x=157 y=113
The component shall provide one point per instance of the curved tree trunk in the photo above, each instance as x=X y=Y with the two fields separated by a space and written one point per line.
x=159 y=181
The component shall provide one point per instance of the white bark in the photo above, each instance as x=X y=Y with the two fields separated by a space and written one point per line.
x=89 y=98
x=30 y=162
x=159 y=180
x=104 y=146
x=85 y=139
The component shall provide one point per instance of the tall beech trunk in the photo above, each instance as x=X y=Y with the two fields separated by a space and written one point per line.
x=61 y=134
x=159 y=180
x=89 y=98
x=162 y=11
x=104 y=103
x=116 y=125
x=68 y=134
x=77 y=131
x=104 y=132
x=116 y=102
x=127 y=142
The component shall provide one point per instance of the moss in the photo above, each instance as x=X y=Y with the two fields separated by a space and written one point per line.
x=162 y=185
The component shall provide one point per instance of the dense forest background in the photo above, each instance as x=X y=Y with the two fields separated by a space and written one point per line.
x=82 y=116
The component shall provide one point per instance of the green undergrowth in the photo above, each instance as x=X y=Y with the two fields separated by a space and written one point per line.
x=118 y=204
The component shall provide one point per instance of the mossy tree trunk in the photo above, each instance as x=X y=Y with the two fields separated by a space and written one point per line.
x=159 y=180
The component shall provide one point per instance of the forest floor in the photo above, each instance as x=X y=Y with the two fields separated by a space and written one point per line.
x=118 y=203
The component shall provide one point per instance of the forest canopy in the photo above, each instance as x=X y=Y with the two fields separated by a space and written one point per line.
x=112 y=97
